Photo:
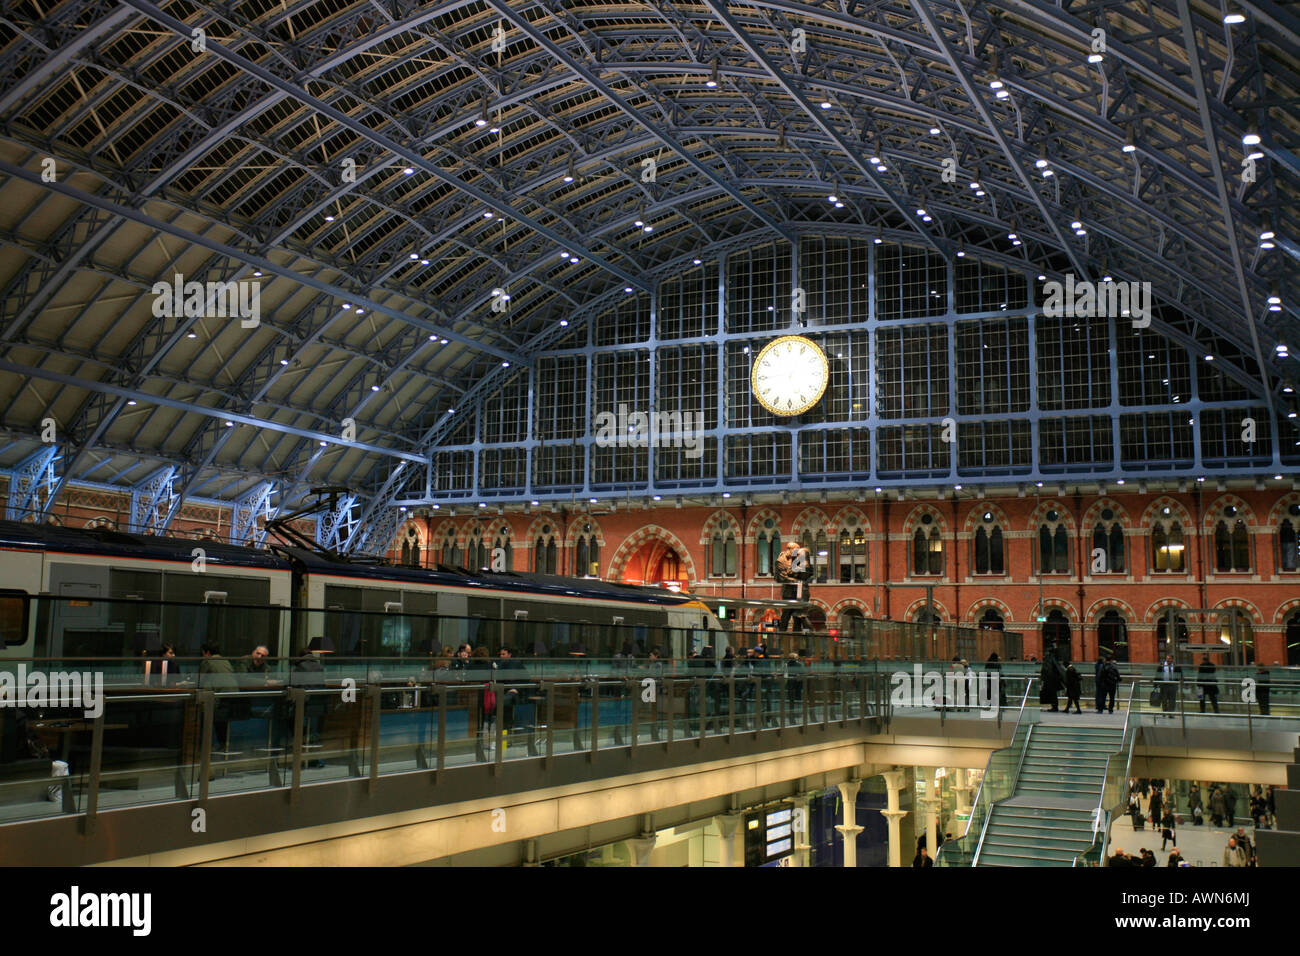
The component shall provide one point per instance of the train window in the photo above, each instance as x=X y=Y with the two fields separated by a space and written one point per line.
x=13 y=617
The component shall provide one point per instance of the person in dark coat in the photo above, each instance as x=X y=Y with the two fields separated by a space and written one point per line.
x=1154 y=806
x=922 y=859
x=1051 y=677
x=1218 y=807
x=1073 y=688
x=994 y=666
x=1230 y=803
x=1175 y=858
x=1108 y=684
x=1167 y=829
x=1261 y=688
x=1206 y=676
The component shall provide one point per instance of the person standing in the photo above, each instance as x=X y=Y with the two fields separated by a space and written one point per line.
x=1234 y=854
x=1154 y=808
x=1169 y=677
x=1167 y=829
x=922 y=859
x=1207 y=677
x=1261 y=688
x=994 y=667
x=1230 y=804
x=1218 y=807
x=1194 y=802
x=1052 y=677
x=1073 y=688
x=784 y=576
x=1110 y=679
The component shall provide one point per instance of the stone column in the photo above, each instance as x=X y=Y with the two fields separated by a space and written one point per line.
x=894 y=782
x=849 y=829
x=961 y=788
x=728 y=826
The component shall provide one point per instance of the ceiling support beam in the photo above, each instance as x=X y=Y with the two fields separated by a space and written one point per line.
x=411 y=156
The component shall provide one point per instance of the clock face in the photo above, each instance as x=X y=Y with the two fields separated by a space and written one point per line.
x=789 y=375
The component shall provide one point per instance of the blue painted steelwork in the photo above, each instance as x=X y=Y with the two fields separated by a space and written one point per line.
x=31 y=483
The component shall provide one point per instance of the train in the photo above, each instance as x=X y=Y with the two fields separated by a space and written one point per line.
x=100 y=592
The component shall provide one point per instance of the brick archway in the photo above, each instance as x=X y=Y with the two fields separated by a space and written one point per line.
x=648 y=535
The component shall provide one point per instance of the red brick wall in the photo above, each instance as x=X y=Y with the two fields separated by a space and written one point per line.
x=1266 y=595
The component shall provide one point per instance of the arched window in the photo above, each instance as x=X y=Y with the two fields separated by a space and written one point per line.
x=411 y=548
x=1287 y=546
x=1056 y=635
x=853 y=556
x=1241 y=651
x=1107 y=555
x=1163 y=645
x=478 y=554
x=450 y=550
x=1292 y=638
x=1112 y=635
x=1231 y=545
x=988 y=547
x=852 y=624
x=925 y=615
x=927 y=549
x=1053 y=545
x=1167 y=546
x=767 y=548
x=819 y=547
x=991 y=620
x=544 y=552
x=587 y=559
x=104 y=521
x=502 y=543
x=722 y=552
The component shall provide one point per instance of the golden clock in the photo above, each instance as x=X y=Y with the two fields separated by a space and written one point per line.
x=790 y=375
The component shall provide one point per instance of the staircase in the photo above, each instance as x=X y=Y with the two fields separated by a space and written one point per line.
x=1049 y=819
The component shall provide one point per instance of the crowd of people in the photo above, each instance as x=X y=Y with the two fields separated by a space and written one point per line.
x=1155 y=802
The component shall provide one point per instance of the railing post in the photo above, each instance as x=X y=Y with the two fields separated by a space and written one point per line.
x=668 y=692
x=374 y=691
x=440 y=758
x=550 y=725
x=702 y=703
x=207 y=706
x=731 y=708
x=96 y=764
x=634 y=701
x=499 y=722
x=595 y=719
x=298 y=696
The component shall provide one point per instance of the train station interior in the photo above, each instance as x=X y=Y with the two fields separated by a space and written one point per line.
x=585 y=433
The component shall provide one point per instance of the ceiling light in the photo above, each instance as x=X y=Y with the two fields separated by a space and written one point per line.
x=878 y=241
x=131 y=402
x=1048 y=172
x=833 y=198
x=415 y=255
x=1250 y=139
x=975 y=185
x=329 y=218
x=874 y=160
x=1041 y=162
x=1002 y=94
x=192 y=335
x=1232 y=19
x=487 y=215
x=258 y=273
x=934 y=131
x=564 y=323
x=1094 y=57
x=825 y=105
x=322 y=444
x=839 y=205
x=408 y=171
x=284 y=361
x=1128 y=148
x=979 y=192
x=627 y=288
x=648 y=229
x=638 y=224
x=1042 y=278
x=960 y=253
x=1254 y=154
x=996 y=84
x=920 y=212
x=444 y=342
x=696 y=261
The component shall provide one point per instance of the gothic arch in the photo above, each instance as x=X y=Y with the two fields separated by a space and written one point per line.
x=575 y=528
x=1064 y=515
x=914 y=520
x=1256 y=619
x=1155 y=511
x=1059 y=604
x=849 y=517
x=1285 y=610
x=756 y=525
x=919 y=603
x=631 y=544
x=973 y=613
x=975 y=517
x=1279 y=509
x=720 y=518
x=849 y=602
x=1156 y=611
x=104 y=521
x=1093 y=514
x=1105 y=604
x=1214 y=513
x=811 y=518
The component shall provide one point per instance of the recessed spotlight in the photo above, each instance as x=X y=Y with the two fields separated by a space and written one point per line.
x=374 y=388
x=284 y=361
x=627 y=288
x=408 y=171
x=329 y=218
x=638 y=223
x=131 y=402
x=648 y=229
x=825 y=105
x=696 y=261
x=415 y=255
x=1002 y=94
x=935 y=131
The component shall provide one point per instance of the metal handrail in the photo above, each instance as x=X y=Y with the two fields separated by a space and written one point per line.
x=979 y=844
x=1099 y=812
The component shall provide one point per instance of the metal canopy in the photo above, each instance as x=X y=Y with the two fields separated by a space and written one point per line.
x=400 y=179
